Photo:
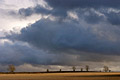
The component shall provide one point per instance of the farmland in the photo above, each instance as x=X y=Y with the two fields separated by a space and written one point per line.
x=62 y=76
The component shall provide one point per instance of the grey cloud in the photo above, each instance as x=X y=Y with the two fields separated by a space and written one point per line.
x=66 y=42
x=61 y=7
x=83 y=3
x=64 y=37
x=61 y=11
x=33 y=10
x=90 y=15
x=1 y=1
x=26 y=12
x=113 y=18
x=18 y=53
x=93 y=57
x=95 y=16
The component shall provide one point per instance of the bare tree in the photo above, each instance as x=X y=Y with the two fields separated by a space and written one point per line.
x=81 y=69
x=87 y=68
x=106 y=69
x=47 y=70
x=109 y=70
x=11 y=68
x=60 y=70
x=74 y=68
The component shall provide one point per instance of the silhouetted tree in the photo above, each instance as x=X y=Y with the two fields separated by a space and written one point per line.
x=106 y=69
x=87 y=68
x=81 y=69
x=11 y=68
x=74 y=68
x=60 y=70
x=109 y=70
x=47 y=70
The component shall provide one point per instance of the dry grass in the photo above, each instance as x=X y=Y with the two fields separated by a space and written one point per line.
x=62 y=76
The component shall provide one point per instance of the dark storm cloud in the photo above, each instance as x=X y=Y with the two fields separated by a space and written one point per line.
x=33 y=10
x=18 y=53
x=90 y=16
x=40 y=10
x=83 y=3
x=113 y=18
x=58 y=37
x=65 y=42
x=61 y=8
x=93 y=57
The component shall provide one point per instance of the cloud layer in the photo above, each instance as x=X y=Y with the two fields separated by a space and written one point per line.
x=65 y=32
x=65 y=36
x=83 y=3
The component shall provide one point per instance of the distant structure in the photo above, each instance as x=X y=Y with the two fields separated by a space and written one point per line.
x=74 y=68
x=11 y=68
x=87 y=68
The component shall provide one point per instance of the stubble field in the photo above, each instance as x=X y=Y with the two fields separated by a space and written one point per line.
x=62 y=76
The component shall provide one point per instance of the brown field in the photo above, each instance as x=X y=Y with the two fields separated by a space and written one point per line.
x=62 y=76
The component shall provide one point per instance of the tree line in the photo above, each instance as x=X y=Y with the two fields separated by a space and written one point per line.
x=12 y=69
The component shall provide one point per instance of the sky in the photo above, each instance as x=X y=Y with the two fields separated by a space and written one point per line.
x=36 y=35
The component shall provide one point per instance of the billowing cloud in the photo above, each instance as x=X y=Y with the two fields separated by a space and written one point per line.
x=60 y=33
x=114 y=18
x=66 y=36
x=29 y=11
x=101 y=7
x=27 y=58
x=83 y=3
x=19 y=53
x=92 y=12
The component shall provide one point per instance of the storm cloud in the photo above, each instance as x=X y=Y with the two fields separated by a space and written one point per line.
x=29 y=11
x=83 y=3
x=19 y=53
x=65 y=33
x=92 y=12
x=65 y=36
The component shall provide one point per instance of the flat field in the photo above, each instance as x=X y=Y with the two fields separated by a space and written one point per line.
x=62 y=76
